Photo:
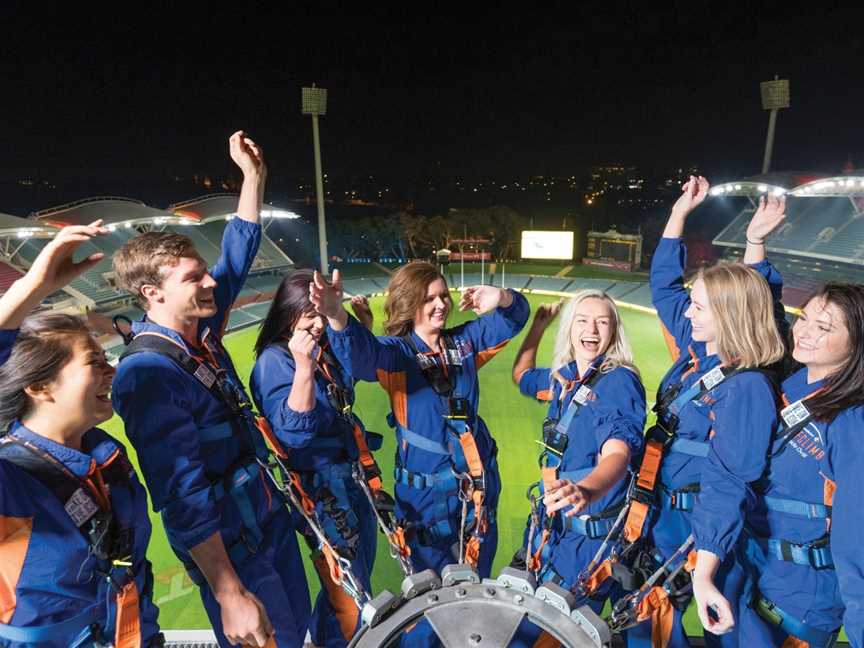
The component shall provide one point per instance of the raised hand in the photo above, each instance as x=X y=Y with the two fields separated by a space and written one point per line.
x=54 y=267
x=562 y=493
x=693 y=193
x=546 y=313
x=302 y=347
x=326 y=296
x=770 y=213
x=482 y=299
x=362 y=310
x=247 y=155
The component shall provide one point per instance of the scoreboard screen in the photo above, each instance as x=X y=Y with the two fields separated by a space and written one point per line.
x=547 y=245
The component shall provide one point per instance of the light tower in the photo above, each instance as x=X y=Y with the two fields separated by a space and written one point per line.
x=775 y=95
x=314 y=102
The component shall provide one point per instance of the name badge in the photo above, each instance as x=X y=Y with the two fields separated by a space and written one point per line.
x=425 y=361
x=80 y=507
x=205 y=376
x=582 y=394
x=454 y=357
x=794 y=413
x=713 y=378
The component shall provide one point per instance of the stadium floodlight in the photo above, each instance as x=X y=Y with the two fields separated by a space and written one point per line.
x=314 y=102
x=775 y=95
x=746 y=188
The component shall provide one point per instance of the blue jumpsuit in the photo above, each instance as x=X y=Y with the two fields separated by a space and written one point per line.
x=792 y=473
x=321 y=449
x=198 y=461
x=49 y=577
x=843 y=463
x=736 y=408
x=426 y=498
x=614 y=410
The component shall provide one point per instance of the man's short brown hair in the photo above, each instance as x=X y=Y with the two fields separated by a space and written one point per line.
x=141 y=260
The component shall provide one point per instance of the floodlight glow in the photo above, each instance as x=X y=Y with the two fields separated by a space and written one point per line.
x=716 y=191
x=737 y=187
x=159 y=221
x=547 y=245
x=763 y=188
x=314 y=101
x=279 y=214
x=779 y=191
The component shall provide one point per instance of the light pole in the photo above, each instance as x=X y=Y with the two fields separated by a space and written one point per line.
x=775 y=95
x=314 y=102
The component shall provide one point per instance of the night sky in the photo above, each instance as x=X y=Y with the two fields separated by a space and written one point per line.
x=92 y=93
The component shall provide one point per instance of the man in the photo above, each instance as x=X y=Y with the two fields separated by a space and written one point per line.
x=189 y=419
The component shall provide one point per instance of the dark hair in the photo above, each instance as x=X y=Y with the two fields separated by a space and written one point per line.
x=289 y=304
x=43 y=347
x=843 y=388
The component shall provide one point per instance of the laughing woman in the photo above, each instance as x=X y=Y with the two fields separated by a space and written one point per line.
x=593 y=427
x=73 y=516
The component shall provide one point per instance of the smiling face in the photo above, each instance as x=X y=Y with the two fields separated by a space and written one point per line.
x=433 y=312
x=80 y=392
x=592 y=330
x=186 y=291
x=700 y=314
x=821 y=338
x=312 y=322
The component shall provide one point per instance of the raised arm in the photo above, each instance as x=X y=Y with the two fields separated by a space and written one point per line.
x=361 y=353
x=52 y=269
x=250 y=158
x=768 y=217
x=526 y=357
x=508 y=312
x=668 y=293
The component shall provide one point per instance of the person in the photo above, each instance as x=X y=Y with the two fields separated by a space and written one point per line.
x=713 y=401
x=593 y=427
x=190 y=421
x=831 y=334
x=305 y=394
x=74 y=528
x=430 y=373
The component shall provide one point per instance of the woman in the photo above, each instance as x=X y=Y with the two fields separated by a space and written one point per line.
x=714 y=401
x=74 y=526
x=784 y=546
x=593 y=427
x=445 y=460
x=303 y=392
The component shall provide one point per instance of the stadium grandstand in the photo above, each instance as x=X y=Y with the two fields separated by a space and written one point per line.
x=822 y=238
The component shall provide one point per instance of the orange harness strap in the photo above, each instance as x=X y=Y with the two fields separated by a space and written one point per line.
x=127 y=632
x=475 y=469
x=646 y=480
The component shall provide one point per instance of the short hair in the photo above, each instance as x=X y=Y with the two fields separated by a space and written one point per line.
x=619 y=353
x=44 y=346
x=406 y=294
x=140 y=261
x=743 y=308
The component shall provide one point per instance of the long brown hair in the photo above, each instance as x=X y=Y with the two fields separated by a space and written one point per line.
x=44 y=345
x=843 y=388
x=406 y=294
x=743 y=309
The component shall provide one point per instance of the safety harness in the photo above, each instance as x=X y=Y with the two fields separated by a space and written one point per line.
x=466 y=475
x=364 y=469
x=88 y=505
x=556 y=438
x=656 y=585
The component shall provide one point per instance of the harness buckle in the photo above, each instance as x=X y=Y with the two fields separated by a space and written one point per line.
x=553 y=439
x=641 y=494
x=458 y=408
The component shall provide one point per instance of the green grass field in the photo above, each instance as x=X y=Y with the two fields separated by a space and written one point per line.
x=514 y=421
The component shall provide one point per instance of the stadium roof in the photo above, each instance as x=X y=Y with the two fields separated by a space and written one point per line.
x=776 y=183
x=112 y=209
x=837 y=187
x=15 y=227
x=221 y=206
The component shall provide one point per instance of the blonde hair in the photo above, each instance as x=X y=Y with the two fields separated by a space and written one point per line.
x=406 y=293
x=619 y=353
x=744 y=315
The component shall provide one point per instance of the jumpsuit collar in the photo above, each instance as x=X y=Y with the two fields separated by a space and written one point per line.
x=79 y=462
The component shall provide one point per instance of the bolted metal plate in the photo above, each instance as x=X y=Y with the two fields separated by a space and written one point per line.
x=460 y=573
x=557 y=597
x=518 y=580
x=475 y=626
x=417 y=584
x=592 y=625
x=378 y=607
